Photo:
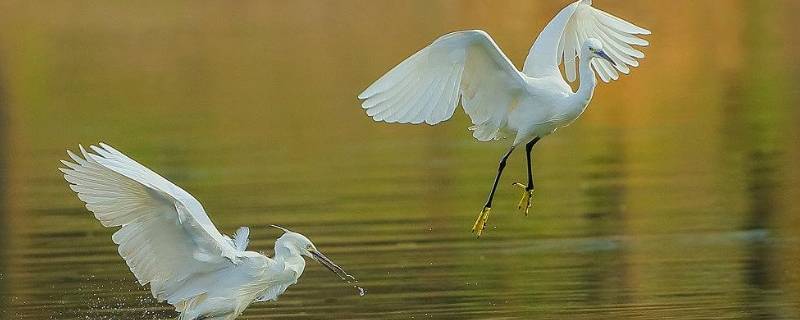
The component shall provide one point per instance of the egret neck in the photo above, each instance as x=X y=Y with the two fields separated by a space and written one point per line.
x=286 y=255
x=587 y=85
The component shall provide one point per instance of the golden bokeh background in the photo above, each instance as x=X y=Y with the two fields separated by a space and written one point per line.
x=675 y=196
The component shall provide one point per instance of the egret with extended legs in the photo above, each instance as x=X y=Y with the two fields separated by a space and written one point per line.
x=468 y=66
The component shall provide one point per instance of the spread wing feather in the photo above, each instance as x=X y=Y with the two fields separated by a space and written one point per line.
x=561 y=40
x=426 y=87
x=165 y=237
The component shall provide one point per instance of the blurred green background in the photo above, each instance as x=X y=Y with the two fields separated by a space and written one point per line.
x=674 y=196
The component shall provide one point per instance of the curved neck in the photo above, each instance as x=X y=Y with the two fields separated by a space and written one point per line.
x=588 y=81
x=283 y=250
x=288 y=257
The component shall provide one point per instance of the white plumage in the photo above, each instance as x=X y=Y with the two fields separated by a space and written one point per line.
x=468 y=66
x=241 y=238
x=168 y=241
x=561 y=40
x=426 y=86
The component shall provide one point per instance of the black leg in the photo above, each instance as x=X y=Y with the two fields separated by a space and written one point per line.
x=528 y=149
x=500 y=168
x=480 y=223
x=527 y=193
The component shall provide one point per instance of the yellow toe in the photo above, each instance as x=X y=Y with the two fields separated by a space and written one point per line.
x=524 y=203
x=480 y=223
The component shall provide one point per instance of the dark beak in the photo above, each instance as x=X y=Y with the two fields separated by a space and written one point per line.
x=322 y=259
x=605 y=56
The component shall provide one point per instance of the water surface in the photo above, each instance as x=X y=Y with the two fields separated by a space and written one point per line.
x=675 y=196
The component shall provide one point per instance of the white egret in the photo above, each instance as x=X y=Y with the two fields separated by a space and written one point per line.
x=468 y=66
x=168 y=241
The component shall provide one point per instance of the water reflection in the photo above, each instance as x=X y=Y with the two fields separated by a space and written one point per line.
x=5 y=221
x=606 y=279
x=762 y=156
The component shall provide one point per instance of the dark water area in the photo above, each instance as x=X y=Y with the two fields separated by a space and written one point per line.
x=675 y=196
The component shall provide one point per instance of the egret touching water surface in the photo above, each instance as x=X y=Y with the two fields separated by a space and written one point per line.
x=500 y=100
x=168 y=241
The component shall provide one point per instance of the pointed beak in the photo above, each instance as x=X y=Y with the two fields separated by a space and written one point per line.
x=605 y=56
x=323 y=260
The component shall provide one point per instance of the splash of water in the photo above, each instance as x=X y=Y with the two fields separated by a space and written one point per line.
x=351 y=280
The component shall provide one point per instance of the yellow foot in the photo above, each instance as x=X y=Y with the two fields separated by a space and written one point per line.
x=525 y=202
x=480 y=223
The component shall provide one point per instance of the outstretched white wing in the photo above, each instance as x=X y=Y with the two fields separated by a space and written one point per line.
x=426 y=87
x=562 y=38
x=166 y=237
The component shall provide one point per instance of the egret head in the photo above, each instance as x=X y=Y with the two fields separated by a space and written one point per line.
x=299 y=244
x=594 y=48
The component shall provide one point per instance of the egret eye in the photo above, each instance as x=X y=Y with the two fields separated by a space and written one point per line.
x=308 y=247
